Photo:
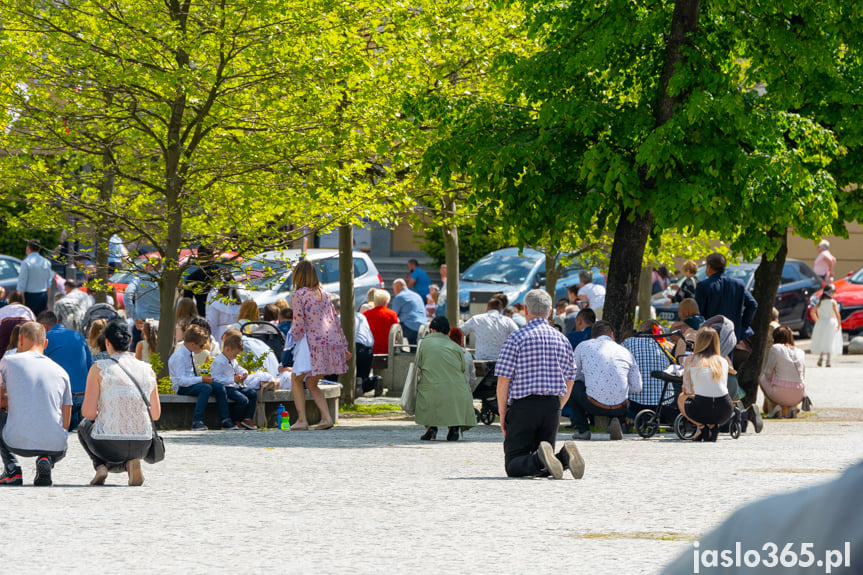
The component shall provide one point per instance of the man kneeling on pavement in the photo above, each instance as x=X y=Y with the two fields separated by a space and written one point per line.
x=606 y=373
x=534 y=377
x=37 y=396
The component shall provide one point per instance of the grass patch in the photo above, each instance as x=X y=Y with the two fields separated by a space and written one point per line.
x=370 y=408
x=648 y=535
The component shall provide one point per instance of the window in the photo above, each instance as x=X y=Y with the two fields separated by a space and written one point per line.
x=7 y=271
x=790 y=274
x=360 y=267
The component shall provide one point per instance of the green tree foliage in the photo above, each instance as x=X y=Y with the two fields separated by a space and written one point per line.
x=15 y=230
x=182 y=122
x=473 y=244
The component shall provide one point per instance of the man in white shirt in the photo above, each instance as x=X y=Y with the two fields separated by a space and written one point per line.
x=490 y=329
x=591 y=293
x=38 y=399
x=34 y=278
x=186 y=380
x=606 y=373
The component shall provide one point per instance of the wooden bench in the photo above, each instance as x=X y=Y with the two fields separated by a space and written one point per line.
x=177 y=410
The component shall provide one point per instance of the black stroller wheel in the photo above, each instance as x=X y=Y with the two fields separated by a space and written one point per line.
x=487 y=416
x=684 y=428
x=646 y=424
x=734 y=428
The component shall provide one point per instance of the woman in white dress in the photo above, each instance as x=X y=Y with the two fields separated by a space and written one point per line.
x=827 y=334
x=117 y=432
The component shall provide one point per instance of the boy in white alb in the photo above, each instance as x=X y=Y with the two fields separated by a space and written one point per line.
x=226 y=371
x=38 y=398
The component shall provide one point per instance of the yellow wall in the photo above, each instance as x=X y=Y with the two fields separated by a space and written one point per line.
x=404 y=240
x=849 y=253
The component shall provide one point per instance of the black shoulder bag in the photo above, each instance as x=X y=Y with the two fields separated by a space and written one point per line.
x=156 y=453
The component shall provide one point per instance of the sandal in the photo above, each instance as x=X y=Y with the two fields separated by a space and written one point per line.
x=324 y=425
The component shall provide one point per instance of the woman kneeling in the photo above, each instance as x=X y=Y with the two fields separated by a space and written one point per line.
x=705 y=400
x=117 y=430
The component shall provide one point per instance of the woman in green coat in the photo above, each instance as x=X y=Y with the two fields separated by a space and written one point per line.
x=443 y=397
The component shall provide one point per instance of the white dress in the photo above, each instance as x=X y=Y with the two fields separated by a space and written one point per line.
x=825 y=337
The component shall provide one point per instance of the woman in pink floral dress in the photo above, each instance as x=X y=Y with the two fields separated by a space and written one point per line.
x=321 y=347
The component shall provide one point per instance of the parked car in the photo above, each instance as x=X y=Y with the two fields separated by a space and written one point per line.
x=267 y=276
x=9 y=269
x=509 y=272
x=849 y=298
x=797 y=285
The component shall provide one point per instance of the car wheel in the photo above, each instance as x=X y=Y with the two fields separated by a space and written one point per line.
x=805 y=331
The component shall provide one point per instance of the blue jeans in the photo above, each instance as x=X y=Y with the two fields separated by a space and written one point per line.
x=245 y=400
x=77 y=402
x=203 y=391
x=410 y=334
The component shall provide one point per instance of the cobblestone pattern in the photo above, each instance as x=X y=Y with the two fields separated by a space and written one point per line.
x=368 y=497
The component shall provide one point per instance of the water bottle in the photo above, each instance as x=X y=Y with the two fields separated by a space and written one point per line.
x=285 y=423
x=280 y=415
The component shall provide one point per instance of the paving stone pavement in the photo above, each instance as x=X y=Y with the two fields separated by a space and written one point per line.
x=368 y=497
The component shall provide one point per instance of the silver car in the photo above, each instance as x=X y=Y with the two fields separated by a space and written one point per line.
x=267 y=276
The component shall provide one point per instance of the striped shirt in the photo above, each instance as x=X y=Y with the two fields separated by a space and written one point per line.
x=537 y=359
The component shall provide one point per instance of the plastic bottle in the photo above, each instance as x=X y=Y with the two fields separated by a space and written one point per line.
x=280 y=415
x=285 y=424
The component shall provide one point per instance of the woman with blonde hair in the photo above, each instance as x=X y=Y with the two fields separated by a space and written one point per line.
x=248 y=312
x=98 y=351
x=705 y=400
x=321 y=347
x=186 y=310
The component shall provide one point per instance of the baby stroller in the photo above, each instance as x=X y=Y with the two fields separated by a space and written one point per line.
x=99 y=311
x=267 y=333
x=649 y=421
x=486 y=392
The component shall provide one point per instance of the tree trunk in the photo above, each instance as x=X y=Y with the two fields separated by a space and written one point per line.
x=103 y=246
x=552 y=273
x=767 y=279
x=349 y=308
x=624 y=271
x=645 y=287
x=630 y=237
x=450 y=238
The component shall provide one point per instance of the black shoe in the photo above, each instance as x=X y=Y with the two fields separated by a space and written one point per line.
x=43 y=473
x=581 y=435
x=700 y=434
x=379 y=385
x=615 y=430
x=199 y=426
x=430 y=434
x=712 y=434
x=227 y=424
x=807 y=403
x=453 y=433
x=12 y=477
x=753 y=414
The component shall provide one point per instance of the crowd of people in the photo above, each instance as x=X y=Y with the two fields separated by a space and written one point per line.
x=544 y=361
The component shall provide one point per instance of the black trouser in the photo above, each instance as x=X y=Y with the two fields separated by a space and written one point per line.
x=112 y=453
x=364 y=361
x=581 y=406
x=529 y=421
x=7 y=452
x=36 y=301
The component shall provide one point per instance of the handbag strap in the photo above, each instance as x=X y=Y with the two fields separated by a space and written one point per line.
x=135 y=381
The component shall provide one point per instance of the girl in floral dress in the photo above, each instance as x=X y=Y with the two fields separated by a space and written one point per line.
x=321 y=347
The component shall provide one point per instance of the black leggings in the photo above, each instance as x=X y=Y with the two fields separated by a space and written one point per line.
x=112 y=453
x=709 y=410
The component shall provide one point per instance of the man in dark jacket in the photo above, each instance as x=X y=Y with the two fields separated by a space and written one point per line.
x=723 y=295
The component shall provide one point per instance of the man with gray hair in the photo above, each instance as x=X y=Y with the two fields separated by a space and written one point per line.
x=410 y=308
x=535 y=372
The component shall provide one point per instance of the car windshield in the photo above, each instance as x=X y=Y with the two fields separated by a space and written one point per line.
x=856 y=277
x=121 y=278
x=265 y=274
x=498 y=269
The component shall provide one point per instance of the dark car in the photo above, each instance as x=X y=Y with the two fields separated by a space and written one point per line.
x=797 y=285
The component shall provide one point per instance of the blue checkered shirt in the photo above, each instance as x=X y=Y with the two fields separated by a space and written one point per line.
x=649 y=357
x=537 y=359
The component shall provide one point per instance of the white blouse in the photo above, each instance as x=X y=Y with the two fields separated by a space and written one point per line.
x=122 y=413
x=702 y=382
